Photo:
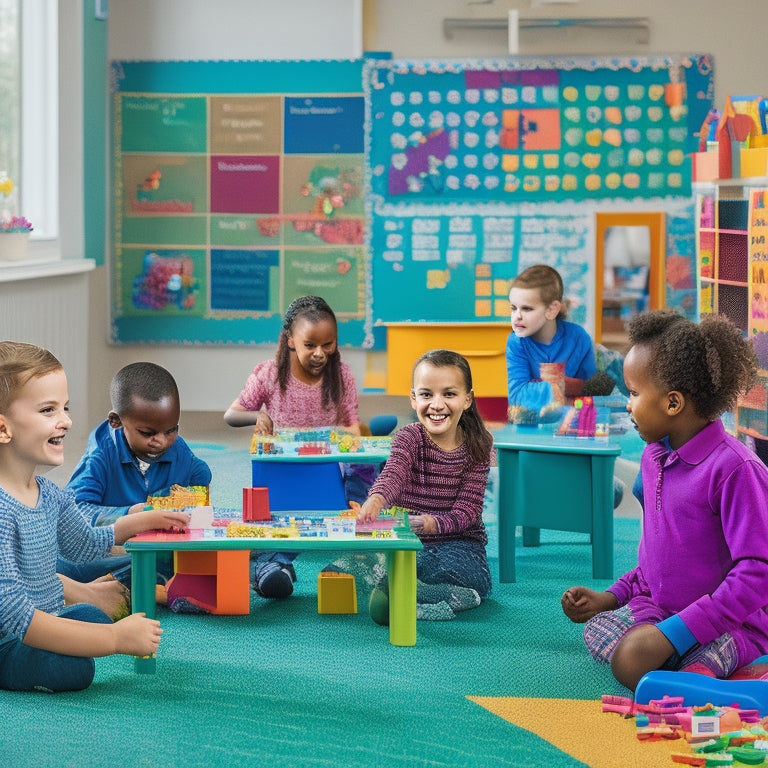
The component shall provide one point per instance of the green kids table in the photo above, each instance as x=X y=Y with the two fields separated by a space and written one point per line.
x=400 y=547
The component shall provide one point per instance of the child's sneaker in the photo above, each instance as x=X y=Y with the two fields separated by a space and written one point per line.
x=274 y=580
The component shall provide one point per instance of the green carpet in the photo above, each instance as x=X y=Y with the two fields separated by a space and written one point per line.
x=285 y=686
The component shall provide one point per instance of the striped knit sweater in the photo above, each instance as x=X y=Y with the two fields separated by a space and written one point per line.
x=428 y=480
x=30 y=539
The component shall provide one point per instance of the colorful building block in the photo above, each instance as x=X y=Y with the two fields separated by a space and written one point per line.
x=217 y=581
x=255 y=504
x=336 y=593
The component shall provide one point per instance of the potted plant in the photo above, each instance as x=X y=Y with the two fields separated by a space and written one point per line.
x=14 y=230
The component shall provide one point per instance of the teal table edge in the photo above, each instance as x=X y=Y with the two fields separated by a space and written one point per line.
x=401 y=567
x=509 y=442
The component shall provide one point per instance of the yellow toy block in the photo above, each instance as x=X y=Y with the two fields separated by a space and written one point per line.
x=336 y=593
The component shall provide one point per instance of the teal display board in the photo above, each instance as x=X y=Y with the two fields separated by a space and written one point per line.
x=477 y=169
x=238 y=187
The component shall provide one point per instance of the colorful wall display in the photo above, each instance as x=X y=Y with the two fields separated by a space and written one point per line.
x=477 y=169
x=238 y=187
x=399 y=191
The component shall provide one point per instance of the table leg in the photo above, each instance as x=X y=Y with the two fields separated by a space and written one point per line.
x=143 y=576
x=602 y=517
x=401 y=567
x=508 y=463
x=531 y=536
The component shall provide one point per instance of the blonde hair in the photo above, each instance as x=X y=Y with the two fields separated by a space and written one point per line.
x=546 y=280
x=20 y=362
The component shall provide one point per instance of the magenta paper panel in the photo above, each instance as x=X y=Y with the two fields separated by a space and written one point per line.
x=245 y=184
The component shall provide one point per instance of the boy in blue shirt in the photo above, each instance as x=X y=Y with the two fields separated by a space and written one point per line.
x=541 y=335
x=135 y=453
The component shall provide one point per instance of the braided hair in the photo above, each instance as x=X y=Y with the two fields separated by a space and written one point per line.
x=711 y=363
x=478 y=439
x=314 y=309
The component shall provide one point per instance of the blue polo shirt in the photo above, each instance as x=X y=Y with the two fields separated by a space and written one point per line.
x=107 y=480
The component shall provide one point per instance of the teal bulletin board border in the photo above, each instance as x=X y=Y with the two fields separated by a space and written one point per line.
x=238 y=187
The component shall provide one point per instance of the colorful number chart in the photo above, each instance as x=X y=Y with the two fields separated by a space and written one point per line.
x=479 y=168
x=238 y=187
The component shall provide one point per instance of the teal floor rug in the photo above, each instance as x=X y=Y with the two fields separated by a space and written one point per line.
x=286 y=687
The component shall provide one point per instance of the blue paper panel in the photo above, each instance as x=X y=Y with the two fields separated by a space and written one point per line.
x=240 y=279
x=325 y=125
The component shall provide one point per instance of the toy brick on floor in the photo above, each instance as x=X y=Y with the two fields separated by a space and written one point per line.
x=336 y=593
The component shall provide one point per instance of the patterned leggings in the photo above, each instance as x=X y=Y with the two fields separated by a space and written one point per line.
x=603 y=632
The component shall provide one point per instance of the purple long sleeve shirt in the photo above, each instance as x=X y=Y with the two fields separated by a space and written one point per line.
x=703 y=553
x=448 y=485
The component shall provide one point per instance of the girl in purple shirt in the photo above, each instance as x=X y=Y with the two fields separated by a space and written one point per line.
x=698 y=598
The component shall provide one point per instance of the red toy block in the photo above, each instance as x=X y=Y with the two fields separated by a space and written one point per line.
x=255 y=504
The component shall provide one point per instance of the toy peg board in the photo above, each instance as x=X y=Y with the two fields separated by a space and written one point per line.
x=480 y=168
x=238 y=187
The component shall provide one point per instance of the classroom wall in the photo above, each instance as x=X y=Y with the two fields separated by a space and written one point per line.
x=210 y=378
x=166 y=29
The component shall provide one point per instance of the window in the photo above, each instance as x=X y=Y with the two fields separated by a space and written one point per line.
x=29 y=113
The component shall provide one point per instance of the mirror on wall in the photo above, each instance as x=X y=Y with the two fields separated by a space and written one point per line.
x=629 y=267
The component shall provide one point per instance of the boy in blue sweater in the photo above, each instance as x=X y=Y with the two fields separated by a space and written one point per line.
x=137 y=452
x=541 y=338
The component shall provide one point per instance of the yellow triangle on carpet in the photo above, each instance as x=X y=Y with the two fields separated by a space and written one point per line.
x=582 y=730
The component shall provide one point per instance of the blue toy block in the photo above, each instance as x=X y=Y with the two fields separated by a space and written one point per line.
x=698 y=690
x=300 y=486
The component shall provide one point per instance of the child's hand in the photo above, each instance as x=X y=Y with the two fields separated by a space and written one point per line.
x=581 y=603
x=136 y=635
x=109 y=595
x=423 y=524
x=163 y=519
x=149 y=520
x=371 y=508
x=264 y=424
x=133 y=509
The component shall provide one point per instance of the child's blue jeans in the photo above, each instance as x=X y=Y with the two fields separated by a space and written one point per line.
x=23 y=668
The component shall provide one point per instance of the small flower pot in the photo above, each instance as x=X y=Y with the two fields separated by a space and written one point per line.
x=13 y=246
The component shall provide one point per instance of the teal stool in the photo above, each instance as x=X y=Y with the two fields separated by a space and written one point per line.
x=559 y=483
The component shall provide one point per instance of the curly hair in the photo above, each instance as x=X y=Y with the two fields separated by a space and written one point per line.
x=711 y=362
x=479 y=440
x=546 y=280
x=20 y=362
x=147 y=381
x=314 y=309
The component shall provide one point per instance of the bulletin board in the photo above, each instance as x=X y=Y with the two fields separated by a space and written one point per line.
x=238 y=187
x=477 y=169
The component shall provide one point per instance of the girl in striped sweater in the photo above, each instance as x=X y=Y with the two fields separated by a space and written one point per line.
x=438 y=469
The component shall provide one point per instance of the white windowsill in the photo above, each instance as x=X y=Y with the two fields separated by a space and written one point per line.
x=32 y=268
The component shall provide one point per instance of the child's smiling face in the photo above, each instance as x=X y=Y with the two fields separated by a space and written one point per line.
x=38 y=419
x=440 y=396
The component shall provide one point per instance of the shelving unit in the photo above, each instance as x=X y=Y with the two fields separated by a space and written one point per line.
x=732 y=276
